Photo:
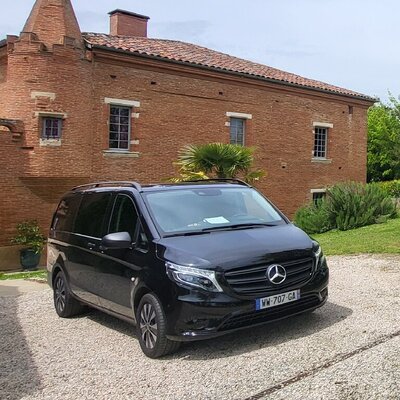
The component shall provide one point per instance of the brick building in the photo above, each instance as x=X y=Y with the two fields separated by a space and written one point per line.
x=77 y=107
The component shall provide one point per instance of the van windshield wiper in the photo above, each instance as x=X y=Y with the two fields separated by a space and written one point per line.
x=238 y=226
x=192 y=233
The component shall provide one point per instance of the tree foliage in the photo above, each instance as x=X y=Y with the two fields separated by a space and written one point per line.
x=218 y=160
x=384 y=141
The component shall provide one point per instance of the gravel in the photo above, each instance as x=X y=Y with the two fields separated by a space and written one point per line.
x=348 y=349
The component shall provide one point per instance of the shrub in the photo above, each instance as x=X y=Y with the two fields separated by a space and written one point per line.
x=354 y=204
x=347 y=205
x=314 y=218
x=391 y=188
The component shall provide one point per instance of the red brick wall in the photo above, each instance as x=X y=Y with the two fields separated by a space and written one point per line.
x=175 y=109
x=180 y=110
x=33 y=176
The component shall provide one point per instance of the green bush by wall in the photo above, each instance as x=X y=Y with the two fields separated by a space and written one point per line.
x=347 y=206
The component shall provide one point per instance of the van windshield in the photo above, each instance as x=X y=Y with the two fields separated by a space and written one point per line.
x=206 y=209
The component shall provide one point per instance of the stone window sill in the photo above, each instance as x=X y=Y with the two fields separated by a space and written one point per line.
x=50 y=142
x=118 y=154
x=321 y=160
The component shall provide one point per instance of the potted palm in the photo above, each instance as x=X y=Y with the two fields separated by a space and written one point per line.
x=31 y=238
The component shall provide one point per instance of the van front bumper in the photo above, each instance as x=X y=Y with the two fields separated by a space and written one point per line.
x=196 y=318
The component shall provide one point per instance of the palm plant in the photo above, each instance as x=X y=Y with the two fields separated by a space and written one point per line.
x=220 y=160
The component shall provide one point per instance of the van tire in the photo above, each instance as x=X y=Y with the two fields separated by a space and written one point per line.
x=152 y=328
x=66 y=306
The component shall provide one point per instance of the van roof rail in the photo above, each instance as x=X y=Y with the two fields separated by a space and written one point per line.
x=110 y=183
x=234 y=180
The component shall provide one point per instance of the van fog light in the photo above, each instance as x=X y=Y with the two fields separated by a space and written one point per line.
x=197 y=323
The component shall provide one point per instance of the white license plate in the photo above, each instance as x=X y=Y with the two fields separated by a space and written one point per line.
x=277 y=300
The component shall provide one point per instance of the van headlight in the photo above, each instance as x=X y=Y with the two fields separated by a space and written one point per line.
x=196 y=277
x=317 y=252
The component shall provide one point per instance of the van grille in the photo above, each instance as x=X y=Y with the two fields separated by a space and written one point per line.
x=252 y=280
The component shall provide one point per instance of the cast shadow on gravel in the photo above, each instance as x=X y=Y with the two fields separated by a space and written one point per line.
x=246 y=340
x=19 y=376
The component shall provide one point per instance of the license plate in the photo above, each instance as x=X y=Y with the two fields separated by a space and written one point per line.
x=277 y=300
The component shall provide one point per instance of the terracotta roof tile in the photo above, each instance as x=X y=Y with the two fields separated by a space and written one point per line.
x=193 y=54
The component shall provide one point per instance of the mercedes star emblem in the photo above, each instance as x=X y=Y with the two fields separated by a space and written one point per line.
x=276 y=274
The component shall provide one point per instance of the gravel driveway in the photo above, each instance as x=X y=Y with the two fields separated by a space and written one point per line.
x=348 y=349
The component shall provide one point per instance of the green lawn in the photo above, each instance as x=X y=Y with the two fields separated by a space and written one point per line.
x=41 y=274
x=380 y=238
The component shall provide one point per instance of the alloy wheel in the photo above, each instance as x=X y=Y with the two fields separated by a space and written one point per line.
x=59 y=294
x=148 y=325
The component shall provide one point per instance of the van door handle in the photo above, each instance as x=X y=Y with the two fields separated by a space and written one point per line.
x=91 y=246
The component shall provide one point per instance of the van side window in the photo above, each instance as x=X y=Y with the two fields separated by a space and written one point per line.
x=65 y=215
x=124 y=217
x=91 y=214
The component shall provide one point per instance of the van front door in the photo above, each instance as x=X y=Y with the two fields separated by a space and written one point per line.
x=119 y=268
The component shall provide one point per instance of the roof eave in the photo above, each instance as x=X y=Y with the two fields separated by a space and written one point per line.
x=369 y=99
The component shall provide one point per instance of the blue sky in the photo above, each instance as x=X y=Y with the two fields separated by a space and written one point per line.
x=349 y=43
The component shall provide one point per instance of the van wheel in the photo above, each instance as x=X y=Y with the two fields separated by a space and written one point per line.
x=152 y=326
x=66 y=306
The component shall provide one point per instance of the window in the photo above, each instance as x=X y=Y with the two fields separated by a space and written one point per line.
x=65 y=214
x=119 y=127
x=320 y=141
x=317 y=195
x=124 y=217
x=51 y=128
x=91 y=214
x=237 y=127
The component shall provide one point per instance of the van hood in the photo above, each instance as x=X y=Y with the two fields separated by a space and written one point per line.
x=235 y=248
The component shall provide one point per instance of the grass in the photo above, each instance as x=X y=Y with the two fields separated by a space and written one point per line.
x=372 y=239
x=41 y=274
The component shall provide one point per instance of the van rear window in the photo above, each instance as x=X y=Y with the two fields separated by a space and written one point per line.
x=91 y=214
x=65 y=215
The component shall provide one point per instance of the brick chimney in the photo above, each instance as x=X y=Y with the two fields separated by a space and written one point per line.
x=125 y=23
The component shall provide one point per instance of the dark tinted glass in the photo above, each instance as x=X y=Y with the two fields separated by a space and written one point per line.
x=66 y=212
x=124 y=218
x=91 y=214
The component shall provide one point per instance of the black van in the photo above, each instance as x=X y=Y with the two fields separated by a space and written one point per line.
x=184 y=262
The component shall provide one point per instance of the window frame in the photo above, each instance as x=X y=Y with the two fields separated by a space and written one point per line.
x=45 y=118
x=243 y=120
x=317 y=194
x=130 y=113
x=325 y=150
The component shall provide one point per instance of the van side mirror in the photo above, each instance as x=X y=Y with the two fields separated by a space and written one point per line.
x=117 y=240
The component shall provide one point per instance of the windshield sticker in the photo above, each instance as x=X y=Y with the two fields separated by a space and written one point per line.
x=216 y=220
